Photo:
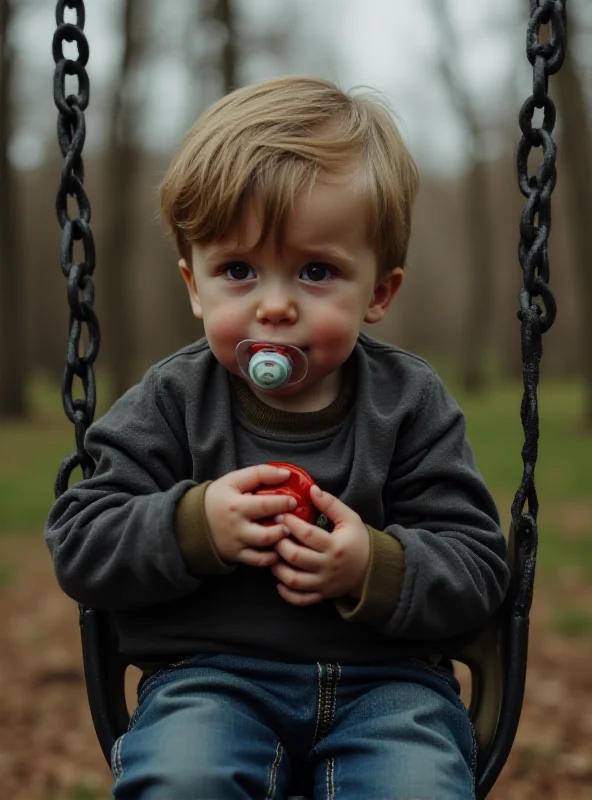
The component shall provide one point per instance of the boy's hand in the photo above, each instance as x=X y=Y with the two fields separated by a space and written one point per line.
x=321 y=564
x=231 y=510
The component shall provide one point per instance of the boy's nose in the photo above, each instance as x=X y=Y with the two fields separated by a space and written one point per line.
x=276 y=313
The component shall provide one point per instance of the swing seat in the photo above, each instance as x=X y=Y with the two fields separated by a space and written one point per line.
x=495 y=656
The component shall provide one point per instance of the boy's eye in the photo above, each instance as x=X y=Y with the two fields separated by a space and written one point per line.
x=237 y=271
x=318 y=272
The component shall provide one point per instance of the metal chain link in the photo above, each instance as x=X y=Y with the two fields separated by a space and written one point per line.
x=71 y=136
x=535 y=226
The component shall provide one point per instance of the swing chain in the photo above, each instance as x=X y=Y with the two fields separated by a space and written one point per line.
x=71 y=132
x=546 y=59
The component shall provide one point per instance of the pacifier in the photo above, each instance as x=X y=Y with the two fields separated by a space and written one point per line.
x=271 y=366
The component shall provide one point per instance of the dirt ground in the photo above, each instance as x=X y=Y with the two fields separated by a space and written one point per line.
x=48 y=750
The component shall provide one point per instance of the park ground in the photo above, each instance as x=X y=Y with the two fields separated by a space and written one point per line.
x=48 y=750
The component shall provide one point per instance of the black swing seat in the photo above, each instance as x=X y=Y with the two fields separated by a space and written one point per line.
x=495 y=655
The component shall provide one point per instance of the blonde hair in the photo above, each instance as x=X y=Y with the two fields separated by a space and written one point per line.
x=270 y=141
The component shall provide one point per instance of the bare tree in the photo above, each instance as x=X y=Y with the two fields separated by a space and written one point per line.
x=221 y=39
x=509 y=212
x=217 y=72
x=224 y=13
x=214 y=40
x=12 y=325
x=577 y=160
x=479 y=310
x=121 y=175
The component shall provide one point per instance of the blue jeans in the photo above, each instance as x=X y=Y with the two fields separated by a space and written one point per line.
x=224 y=727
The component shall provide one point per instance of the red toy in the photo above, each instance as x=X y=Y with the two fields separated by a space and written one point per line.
x=298 y=486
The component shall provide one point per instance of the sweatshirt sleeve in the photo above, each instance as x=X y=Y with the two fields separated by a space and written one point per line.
x=448 y=570
x=118 y=539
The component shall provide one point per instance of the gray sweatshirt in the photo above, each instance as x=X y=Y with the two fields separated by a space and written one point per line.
x=134 y=538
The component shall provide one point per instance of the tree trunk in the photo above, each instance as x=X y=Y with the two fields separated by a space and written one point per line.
x=115 y=262
x=479 y=238
x=577 y=163
x=224 y=12
x=220 y=75
x=479 y=308
x=510 y=212
x=12 y=323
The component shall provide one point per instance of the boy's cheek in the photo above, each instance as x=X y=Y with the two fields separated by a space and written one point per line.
x=223 y=338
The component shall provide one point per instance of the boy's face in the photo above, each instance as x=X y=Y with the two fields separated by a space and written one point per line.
x=314 y=293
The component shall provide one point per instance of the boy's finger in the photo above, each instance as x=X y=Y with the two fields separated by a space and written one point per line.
x=266 y=505
x=252 y=477
x=299 y=598
x=310 y=535
x=258 y=558
x=330 y=505
x=264 y=535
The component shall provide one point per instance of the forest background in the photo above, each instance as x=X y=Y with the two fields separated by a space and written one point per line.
x=455 y=74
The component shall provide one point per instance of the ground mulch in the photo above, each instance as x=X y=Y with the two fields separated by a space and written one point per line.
x=48 y=750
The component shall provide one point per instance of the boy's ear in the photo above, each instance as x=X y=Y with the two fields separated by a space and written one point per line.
x=384 y=293
x=189 y=279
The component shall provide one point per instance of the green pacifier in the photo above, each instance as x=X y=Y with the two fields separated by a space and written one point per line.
x=269 y=370
x=271 y=366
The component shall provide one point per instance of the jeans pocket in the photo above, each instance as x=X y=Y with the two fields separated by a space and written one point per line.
x=446 y=675
x=438 y=671
x=116 y=761
x=146 y=681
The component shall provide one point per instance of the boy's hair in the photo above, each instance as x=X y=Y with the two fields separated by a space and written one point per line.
x=269 y=142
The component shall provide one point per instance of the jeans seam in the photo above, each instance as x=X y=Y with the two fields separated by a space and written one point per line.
x=330 y=778
x=116 y=765
x=116 y=762
x=327 y=690
x=133 y=718
x=279 y=751
x=319 y=689
x=474 y=753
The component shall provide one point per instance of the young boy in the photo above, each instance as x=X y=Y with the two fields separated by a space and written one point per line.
x=276 y=650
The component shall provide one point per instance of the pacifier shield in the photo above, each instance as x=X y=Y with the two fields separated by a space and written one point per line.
x=271 y=366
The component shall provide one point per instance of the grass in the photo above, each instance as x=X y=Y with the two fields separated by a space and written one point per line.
x=495 y=430
x=32 y=451
x=7 y=576
x=562 y=473
x=572 y=622
x=30 y=456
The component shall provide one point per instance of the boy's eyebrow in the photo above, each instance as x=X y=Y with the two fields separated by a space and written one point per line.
x=223 y=252
x=328 y=252
x=320 y=251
